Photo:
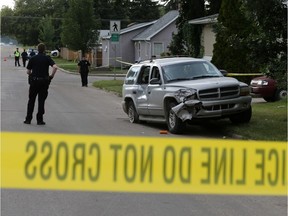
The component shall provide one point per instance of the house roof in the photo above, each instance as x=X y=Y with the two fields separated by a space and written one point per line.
x=158 y=26
x=204 y=20
x=130 y=28
x=136 y=26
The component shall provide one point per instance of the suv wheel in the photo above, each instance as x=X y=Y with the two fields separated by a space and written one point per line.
x=243 y=117
x=132 y=113
x=175 y=124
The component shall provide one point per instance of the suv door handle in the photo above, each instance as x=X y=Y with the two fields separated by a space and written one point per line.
x=134 y=92
x=149 y=92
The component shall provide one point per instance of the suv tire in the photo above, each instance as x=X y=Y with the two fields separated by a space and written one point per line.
x=132 y=113
x=243 y=117
x=175 y=124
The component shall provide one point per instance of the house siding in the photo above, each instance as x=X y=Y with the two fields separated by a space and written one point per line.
x=147 y=47
x=208 y=40
x=165 y=37
x=125 y=49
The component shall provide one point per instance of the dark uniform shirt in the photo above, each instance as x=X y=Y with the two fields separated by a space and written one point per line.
x=24 y=55
x=39 y=64
x=84 y=66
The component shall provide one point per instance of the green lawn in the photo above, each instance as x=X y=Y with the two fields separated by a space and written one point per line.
x=66 y=65
x=269 y=122
x=114 y=86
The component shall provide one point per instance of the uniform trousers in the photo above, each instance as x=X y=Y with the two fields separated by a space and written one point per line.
x=40 y=88
x=17 y=63
x=84 y=78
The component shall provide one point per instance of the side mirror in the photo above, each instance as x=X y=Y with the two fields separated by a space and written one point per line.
x=224 y=72
x=155 y=81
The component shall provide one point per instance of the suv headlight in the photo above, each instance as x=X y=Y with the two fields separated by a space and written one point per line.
x=244 y=90
x=186 y=94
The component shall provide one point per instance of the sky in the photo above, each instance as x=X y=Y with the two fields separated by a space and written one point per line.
x=9 y=3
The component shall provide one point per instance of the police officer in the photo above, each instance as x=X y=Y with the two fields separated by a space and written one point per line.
x=39 y=80
x=17 y=56
x=24 y=56
x=32 y=53
x=83 y=69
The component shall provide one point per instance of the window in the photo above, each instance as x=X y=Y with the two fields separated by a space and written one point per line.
x=144 y=76
x=131 y=75
x=155 y=73
x=158 y=49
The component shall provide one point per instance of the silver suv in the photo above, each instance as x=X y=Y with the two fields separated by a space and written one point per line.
x=179 y=90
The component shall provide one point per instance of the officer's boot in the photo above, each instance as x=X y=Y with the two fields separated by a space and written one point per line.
x=40 y=120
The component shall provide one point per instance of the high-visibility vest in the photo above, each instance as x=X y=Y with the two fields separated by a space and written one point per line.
x=17 y=54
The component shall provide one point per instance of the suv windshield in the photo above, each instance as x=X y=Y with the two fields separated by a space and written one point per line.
x=189 y=71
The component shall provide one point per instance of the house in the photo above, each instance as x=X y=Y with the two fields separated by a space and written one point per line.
x=140 y=41
x=208 y=37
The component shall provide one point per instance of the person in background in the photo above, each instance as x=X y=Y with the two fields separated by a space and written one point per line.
x=83 y=68
x=39 y=80
x=24 y=56
x=17 y=56
x=32 y=53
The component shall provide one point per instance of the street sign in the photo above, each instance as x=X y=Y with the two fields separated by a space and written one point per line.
x=115 y=26
x=115 y=37
x=115 y=31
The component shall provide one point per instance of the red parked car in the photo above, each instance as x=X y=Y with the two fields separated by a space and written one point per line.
x=266 y=87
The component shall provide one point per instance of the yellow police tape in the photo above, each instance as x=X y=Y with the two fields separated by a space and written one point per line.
x=143 y=164
x=244 y=74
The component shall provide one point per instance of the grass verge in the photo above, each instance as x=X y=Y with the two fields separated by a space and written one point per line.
x=73 y=67
x=114 y=86
x=268 y=122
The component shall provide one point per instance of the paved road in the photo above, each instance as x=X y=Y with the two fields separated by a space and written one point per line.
x=74 y=109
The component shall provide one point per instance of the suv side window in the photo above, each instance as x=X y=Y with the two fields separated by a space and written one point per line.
x=155 y=73
x=132 y=74
x=144 y=75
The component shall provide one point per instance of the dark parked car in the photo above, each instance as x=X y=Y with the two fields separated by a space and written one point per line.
x=266 y=87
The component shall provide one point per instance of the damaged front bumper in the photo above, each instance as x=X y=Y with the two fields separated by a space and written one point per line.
x=186 y=110
x=189 y=107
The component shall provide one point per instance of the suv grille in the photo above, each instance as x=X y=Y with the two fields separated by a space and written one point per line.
x=219 y=93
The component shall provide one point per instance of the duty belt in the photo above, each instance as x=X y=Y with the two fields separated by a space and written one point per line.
x=40 y=78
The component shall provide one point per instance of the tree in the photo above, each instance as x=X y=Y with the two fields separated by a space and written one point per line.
x=103 y=11
x=268 y=37
x=47 y=32
x=80 y=28
x=188 y=39
x=121 y=11
x=230 y=50
x=144 y=10
x=27 y=15
x=7 y=21
x=213 y=6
